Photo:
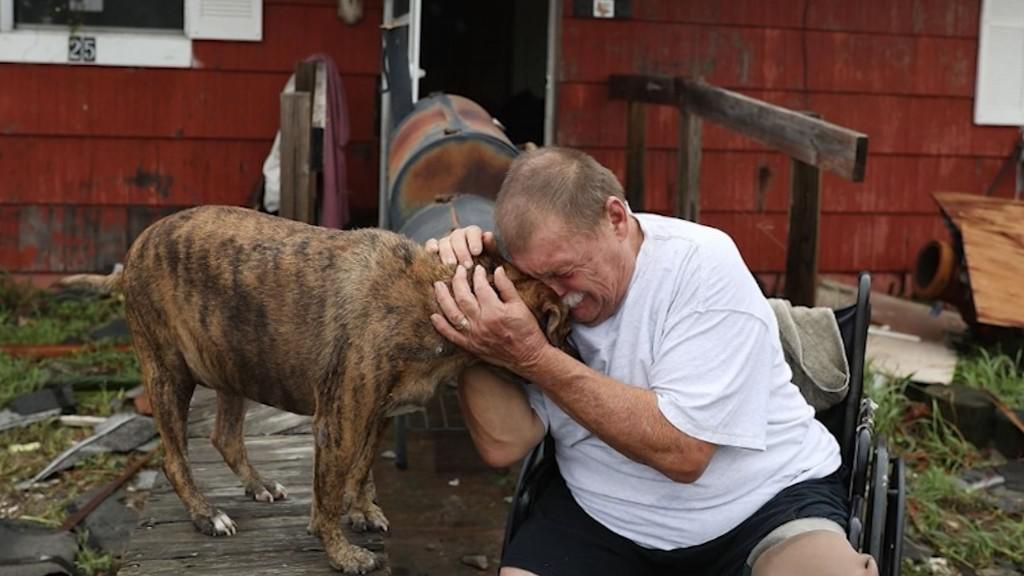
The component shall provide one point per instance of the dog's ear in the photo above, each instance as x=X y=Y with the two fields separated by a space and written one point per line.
x=556 y=324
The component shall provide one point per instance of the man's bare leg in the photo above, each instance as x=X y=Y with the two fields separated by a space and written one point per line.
x=815 y=553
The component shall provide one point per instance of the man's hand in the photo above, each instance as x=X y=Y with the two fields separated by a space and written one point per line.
x=462 y=245
x=500 y=330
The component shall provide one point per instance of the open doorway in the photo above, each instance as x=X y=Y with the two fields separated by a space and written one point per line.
x=494 y=53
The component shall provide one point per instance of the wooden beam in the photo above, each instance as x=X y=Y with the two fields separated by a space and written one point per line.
x=296 y=188
x=813 y=141
x=649 y=89
x=635 y=141
x=688 y=181
x=802 y=238
x=810 y=140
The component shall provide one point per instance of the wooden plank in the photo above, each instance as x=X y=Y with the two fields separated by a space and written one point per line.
x=272 y=537
x=741 y=57
x=882 y=17
x=930 y=17
x=903 y=125
x=993 y=243
x=816 y=142
x=635 y=144
x=295 y=134
x=758 y=181
x=688 y=179
x=149 y=102
x=808 y=139
x=802 y=237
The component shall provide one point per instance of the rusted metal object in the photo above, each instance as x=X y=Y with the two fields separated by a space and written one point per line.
x=448 y=145
x=50 y=350
x=937 y=274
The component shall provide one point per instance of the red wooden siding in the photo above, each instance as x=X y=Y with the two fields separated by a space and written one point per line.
x=902 y=72
x=90 y=155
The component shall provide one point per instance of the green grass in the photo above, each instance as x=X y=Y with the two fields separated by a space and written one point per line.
x=91 y=562
x=962 y=526
x=996 y=372
x=31 y=316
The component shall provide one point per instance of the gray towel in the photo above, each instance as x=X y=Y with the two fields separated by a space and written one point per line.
x=814 y=351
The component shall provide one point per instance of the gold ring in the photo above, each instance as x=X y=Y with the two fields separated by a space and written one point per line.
x=462 y=324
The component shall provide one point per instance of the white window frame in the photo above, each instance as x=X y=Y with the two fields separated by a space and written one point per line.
x=999 y=74
x=156 y=49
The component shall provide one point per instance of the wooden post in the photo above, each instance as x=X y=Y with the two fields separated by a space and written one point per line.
x=688 y=185
x=635 y=129
x=802 y=239
x=295 y=137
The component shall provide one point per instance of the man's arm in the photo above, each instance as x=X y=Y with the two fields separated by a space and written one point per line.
x=504 y=332
x=627 y=418
x=498 y=415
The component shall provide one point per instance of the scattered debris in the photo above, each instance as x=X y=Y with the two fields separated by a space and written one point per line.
x=120 y=433
x=10 y=419
x=104 y=493
x=30 y=549
x=388 y=455
x=433 y=546
x=901 y=355
x=44 y=400
x=478 y=561
x=974 y=480
x=453 y=482
x=508 y=499
x=940 y=567
x=78 y=421
x=144 y=480
x=116 y=329
x=110 y=524
x=27 y=447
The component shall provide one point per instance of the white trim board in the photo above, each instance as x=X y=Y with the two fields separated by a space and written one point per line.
x=112 y=48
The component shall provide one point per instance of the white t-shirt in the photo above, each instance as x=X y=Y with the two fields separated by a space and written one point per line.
x=694 y=328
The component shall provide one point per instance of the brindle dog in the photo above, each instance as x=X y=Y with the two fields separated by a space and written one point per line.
x=312 y=321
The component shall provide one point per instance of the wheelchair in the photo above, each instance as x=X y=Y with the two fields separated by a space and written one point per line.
x=876 y=479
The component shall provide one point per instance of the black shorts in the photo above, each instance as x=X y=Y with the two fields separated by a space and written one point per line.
x=560 y=539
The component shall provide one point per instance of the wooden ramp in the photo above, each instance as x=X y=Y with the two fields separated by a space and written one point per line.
x=271 y=538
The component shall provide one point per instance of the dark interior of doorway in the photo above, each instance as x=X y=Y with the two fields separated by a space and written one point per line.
x=494 y=53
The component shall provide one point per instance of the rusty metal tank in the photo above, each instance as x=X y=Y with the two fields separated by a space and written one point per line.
x=448 y=145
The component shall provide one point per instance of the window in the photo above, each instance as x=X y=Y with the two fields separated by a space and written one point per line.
x=149 y=33
x=999 y=93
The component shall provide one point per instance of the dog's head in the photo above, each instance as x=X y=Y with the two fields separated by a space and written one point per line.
x=551 y=313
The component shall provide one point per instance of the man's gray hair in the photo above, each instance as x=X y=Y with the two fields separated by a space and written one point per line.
x=561 y=182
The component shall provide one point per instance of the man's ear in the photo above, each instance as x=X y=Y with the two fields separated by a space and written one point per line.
x=618 y=216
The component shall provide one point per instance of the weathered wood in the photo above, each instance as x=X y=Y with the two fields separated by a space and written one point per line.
x=271 y=537
x=635 y=143
x=816 y=142
x=993 y=243
x=802 y=241
x=295 y=138
x=688 y=179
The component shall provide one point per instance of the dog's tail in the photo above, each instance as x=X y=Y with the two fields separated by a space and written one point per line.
x=96 y=283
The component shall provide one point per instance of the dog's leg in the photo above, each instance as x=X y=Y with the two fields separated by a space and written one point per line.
x=170 y=386
x=365 y=512
x=340 y=447
x=228 y=438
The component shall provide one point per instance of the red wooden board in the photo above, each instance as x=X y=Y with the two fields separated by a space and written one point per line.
x=770 y=58
x=894 y=124
x=138 y=102
x=921 y=17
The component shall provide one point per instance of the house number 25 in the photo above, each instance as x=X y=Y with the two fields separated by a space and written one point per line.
x=81 y=49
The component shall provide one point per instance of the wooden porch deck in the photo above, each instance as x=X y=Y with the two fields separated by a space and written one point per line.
x=271 y=538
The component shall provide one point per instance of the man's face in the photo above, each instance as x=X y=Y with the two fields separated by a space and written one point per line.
x=586 y=270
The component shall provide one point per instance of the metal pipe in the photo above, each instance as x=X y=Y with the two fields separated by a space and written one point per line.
x=551 y=72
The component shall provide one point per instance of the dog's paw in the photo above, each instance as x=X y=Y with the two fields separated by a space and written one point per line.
x=267 y=492
x=370 y=518
x=219 y=524
x=352 y=559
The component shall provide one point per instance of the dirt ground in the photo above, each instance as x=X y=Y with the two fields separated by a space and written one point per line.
x=446 y=505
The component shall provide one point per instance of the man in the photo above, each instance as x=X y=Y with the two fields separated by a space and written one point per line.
x=684 y=447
